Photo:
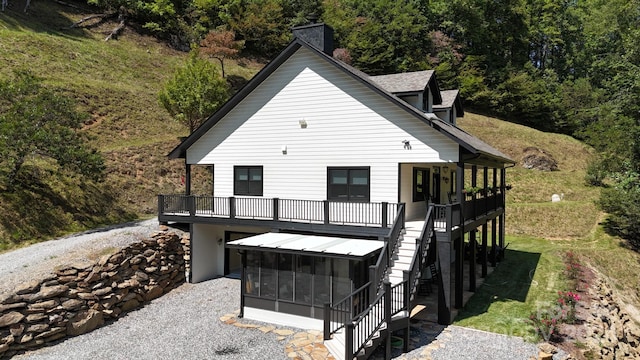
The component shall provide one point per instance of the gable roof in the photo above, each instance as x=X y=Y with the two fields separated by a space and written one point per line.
x=473 y=146
x=450 y=98
x=409 y=82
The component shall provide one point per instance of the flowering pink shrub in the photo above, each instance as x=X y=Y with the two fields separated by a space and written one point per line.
x=568 y=300
x=545 y=323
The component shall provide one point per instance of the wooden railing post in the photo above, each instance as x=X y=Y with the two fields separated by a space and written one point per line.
x=327 y=321
x=387 y=315
x=191 y=204
x=385 y=213
x=326 y=212
x=348 y=340
x=160 y=204
x=373 y=278
x=232 y=207
x=276 y=209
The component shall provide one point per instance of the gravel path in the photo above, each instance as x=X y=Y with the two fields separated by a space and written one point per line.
x=185 y=323
x=38 y=260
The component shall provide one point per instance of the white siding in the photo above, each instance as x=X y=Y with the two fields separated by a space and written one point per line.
x=347 y=125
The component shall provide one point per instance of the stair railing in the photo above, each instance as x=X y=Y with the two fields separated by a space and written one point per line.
x=425 y=243
x=344 y=311
x=377 y=273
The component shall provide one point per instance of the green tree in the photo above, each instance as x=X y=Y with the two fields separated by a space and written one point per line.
x=195 y=92
x=39 y=123
x=382 y=36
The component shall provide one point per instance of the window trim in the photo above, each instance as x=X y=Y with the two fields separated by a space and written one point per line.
x=349 y=169
x=248 y=181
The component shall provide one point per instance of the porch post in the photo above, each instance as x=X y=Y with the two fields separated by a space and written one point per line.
x=503 y=179
x=459 y=243
x=495 y=186
x=474 y=183
x=485 y=185
x=483 y=253
x=188 y=178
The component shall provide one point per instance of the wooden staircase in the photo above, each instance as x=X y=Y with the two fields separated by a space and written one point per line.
x=401 y=262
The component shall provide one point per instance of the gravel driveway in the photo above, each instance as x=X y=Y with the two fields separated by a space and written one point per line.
x=185 y=323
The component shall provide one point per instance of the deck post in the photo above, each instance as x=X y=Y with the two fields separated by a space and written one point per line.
x=161 y=208
x=483 y=254
x=327 y=321
x=187 y=182
x=443 y=257
x=472 y=259
x=232 y=207
x=474 y=183
x=387 y=314
x=385 y=207
x=348 y=340
x=495 y=187
x=503 y=180
x=326 y=212
x=494 y=244
x=373 y=279
x=276 y=209
x=485 y=185
x=243 y=282
x=191 y=203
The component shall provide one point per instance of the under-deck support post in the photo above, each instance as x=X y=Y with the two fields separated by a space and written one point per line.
x=494 y=243
x=443 y=257
x=243 y=286
x=472 y=260
x=487 y=206
x=501 y=225
x=483 y=254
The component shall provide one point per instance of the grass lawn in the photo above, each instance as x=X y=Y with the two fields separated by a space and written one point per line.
x=529 y=277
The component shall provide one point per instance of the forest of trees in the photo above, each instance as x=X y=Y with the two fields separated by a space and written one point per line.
x=569 y=66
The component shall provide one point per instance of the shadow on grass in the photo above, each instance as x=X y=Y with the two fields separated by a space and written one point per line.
x=510 y=281
x=45 y=17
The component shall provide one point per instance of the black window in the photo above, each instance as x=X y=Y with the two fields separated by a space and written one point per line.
x=247 y=180
x=348 y=184
x=420 y=184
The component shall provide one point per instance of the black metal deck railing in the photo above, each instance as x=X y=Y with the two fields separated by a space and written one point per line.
x=192 y=208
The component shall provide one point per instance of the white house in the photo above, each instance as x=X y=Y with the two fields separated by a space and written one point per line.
x=323 y=178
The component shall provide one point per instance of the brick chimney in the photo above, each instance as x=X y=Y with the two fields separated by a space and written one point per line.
x=319 y=36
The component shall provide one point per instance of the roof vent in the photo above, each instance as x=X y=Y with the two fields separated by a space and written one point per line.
x=319 y=36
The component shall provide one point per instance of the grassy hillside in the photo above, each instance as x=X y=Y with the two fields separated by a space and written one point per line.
x=530 y=210
x=116 y=82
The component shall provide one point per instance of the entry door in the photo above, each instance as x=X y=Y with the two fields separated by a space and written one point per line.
x=233 y=260
x=436 y=187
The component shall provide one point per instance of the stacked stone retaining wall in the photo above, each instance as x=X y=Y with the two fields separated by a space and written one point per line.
x=612 y=333
x=77 y=299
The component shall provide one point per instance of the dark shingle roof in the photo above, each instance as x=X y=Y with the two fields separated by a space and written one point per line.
x=448 y=98
x=415 y=81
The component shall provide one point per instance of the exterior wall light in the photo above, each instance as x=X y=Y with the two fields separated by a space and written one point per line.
x=284 y=149
x=303 y=124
